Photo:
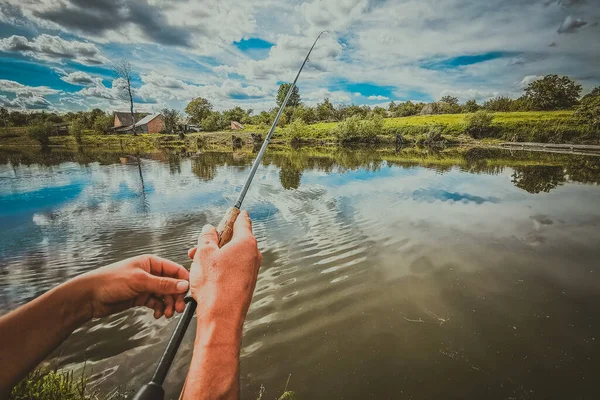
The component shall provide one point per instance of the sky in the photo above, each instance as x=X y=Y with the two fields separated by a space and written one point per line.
x=58 y=55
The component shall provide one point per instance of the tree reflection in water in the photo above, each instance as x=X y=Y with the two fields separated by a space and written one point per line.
x=538 y=178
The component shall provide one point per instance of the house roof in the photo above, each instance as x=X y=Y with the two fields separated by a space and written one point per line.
x=146 y=119
x=125 y=117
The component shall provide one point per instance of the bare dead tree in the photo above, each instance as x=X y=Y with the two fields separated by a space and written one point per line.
x=123 y=70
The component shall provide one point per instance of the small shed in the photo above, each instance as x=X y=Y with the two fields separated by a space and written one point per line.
x=235 y=126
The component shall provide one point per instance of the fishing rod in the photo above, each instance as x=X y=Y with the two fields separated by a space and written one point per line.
x=154 y=390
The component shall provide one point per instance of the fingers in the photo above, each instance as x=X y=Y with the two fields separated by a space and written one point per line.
x=169 y=302
x=242 y=228
x=163 y=267
x=179 y=303
x=156 y=305
x=160 y=285
x=191 y=253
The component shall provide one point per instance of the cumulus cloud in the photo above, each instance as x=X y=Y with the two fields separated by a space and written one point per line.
x=571 y=25
x=162 y=88
x=80 y=78
x=382 y=43
x=53 y=48
x=285 y=57
x=206 y=26
x=28 y=97
x=317 y=96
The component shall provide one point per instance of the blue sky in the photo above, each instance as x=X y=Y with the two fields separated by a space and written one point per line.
x=58 y=54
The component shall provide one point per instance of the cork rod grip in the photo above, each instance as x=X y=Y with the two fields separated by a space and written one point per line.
x=225 y=228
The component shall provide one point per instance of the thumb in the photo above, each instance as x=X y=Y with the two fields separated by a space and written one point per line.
x=163 y=285
x=242 y=227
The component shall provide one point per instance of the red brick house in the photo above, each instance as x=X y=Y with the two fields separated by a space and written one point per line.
x=124 y=118
x=151 y=124
x=148 y=123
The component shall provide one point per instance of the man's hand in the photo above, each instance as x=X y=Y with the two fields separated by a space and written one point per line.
x=145 y=280
x=222 y=282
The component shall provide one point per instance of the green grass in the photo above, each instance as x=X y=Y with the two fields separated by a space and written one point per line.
x=542 y=126
x=539 y=126
x=52 y=384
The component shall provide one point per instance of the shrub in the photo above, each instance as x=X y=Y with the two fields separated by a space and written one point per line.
x=41 y=132
x=103 y=123
x=297 y=130
x=76 y=130
x=353 y=129
x=478 y=124
x=433 y=136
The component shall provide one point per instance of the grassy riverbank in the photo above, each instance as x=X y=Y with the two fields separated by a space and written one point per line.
x=541 y=126
x=544 y=127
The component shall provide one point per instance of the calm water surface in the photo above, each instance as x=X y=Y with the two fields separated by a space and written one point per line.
x=410 y=275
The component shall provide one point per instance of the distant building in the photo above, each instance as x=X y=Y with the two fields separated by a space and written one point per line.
x=236 y=126
x=124 y=118
x=152 y=123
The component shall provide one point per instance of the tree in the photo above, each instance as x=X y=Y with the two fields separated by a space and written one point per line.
x=305 y=114
x=379 y=111
x=103 y=123
x=392 y=106
x=235 y=114
x=325 y=110
x=294 y=100
x=4 y=115
x=41 y=132
x=171 y=119
x=589 y=109
x=449 y=105
x=123 y=70
x=214 y=122
x=198 y=109
x=453 y=101
x=76 y=130
x=18 y=118
x=553 y=92
x=471 y=106
x=407 y=109
x=501 y=104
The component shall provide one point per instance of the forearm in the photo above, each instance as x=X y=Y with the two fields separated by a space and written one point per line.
x=31 y=332
x=214 y=370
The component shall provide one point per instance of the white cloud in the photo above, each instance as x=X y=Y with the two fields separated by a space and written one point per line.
x=378 y=97
x=53 y=48
x=382 y=43
x=528 y=79
x=27 y=97
x=80 y=78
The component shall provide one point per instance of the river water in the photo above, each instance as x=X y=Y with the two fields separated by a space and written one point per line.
x=405 y=274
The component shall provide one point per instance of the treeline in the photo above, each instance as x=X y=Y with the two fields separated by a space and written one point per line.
x=550 y=93
x=95 y=119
